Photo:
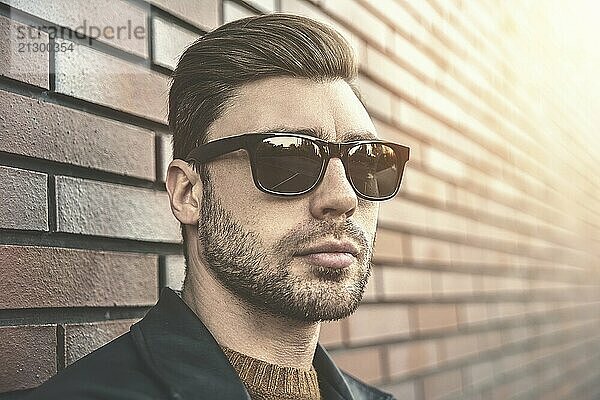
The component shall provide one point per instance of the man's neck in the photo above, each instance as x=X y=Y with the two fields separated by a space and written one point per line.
x=241 y=327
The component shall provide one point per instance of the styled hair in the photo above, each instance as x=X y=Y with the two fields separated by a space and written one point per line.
x=246 y=50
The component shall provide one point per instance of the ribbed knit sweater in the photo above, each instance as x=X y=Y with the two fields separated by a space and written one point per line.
x=266 y=381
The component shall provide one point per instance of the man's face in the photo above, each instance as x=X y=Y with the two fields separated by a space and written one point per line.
x=253 y=242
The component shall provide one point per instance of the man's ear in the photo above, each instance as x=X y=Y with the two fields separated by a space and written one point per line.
x=184 y=196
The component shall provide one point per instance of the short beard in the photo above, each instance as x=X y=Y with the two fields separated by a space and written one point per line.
x=261 y=276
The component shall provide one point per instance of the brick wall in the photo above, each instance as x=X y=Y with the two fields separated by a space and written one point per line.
x=485 y=282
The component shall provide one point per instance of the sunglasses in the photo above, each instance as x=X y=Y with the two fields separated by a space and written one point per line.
x=289 y=164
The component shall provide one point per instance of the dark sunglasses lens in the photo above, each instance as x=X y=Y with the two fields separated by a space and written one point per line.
x=287 y=165
x=375 y=169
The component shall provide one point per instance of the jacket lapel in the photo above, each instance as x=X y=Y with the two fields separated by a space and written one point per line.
x=331 y=381
x=182 y=353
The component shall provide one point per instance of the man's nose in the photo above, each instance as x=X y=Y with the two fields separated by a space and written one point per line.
x=334 y=197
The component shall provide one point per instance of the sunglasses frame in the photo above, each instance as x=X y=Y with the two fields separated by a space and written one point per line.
x=248 y=141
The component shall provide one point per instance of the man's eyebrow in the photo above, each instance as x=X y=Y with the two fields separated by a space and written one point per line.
x=316 y=132
x=320 y=133
x=358 y=135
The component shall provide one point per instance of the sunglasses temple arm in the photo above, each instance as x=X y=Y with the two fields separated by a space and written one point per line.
x=217 y=148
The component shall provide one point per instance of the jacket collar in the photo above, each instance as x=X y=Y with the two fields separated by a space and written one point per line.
x=184 y=356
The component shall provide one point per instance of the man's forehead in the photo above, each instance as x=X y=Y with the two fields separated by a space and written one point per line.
x=329 y=110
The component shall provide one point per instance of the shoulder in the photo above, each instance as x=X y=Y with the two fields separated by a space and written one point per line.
x=114 y=371
x=363 y=391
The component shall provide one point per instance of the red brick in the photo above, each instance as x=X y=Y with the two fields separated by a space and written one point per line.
x=423 y=124
x=372 y=289
x=510 y=362
x=500 y=392
x=412 y=55
x=28 y=356
x=332 y=332
x=456 y=283
x=432 y=317
x=263 y=5
x=515 y=334
x=127 y=212
x=399 y=282
x=169 y=41
x=506 y=310
x=426 y=12
x=301 y=7
x=233 y=11
x=423 y=248
x=106 y=80
x=57 y=277
x=443 y=107
x=449 y=223
x=388 y=244
x=394 y=77
x=360 y=19
x=405 y=390
x=489 y=340
x=472 y=313
x=456 y=347
x=410 y=357
x=202 y=13
x=372 y=322
x=393 y=134
x=470 y=254
x=23 y=199
x=444 y=164
x=365 y=364
x=407 y=214
x=82 y=339
x=399 y=17
x=18 y=58
x=441 y=384
x=108 y=14
x=422 y=184
x=165 y=154
x=494 y=283
x=477 y=374
x=175 y=271
x=375 y=97
x=551 y=285
x=43 y=130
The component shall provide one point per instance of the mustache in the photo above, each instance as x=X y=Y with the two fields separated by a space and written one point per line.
x=306 y=233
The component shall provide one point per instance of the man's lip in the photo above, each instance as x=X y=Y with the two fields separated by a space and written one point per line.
x=331 y=247
x=330 y=260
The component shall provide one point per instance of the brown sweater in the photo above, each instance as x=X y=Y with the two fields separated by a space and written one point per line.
x=266 y=381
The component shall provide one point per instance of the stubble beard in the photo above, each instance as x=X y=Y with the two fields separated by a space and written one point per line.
x=263 y=276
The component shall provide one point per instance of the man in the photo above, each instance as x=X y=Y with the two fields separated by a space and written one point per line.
x=278 y=221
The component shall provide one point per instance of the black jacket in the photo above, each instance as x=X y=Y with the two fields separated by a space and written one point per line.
x=170 y=354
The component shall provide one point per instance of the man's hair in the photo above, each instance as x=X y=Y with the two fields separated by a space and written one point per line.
x=243 y=51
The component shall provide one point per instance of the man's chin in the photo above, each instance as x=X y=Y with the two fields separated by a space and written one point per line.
x=328 y=301
x=324 y=293
x=311 y=309
x=331 y=312
x=327 y=274
x=319 y=273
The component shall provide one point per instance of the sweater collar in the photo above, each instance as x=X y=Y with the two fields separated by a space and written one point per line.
x=184 y=356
